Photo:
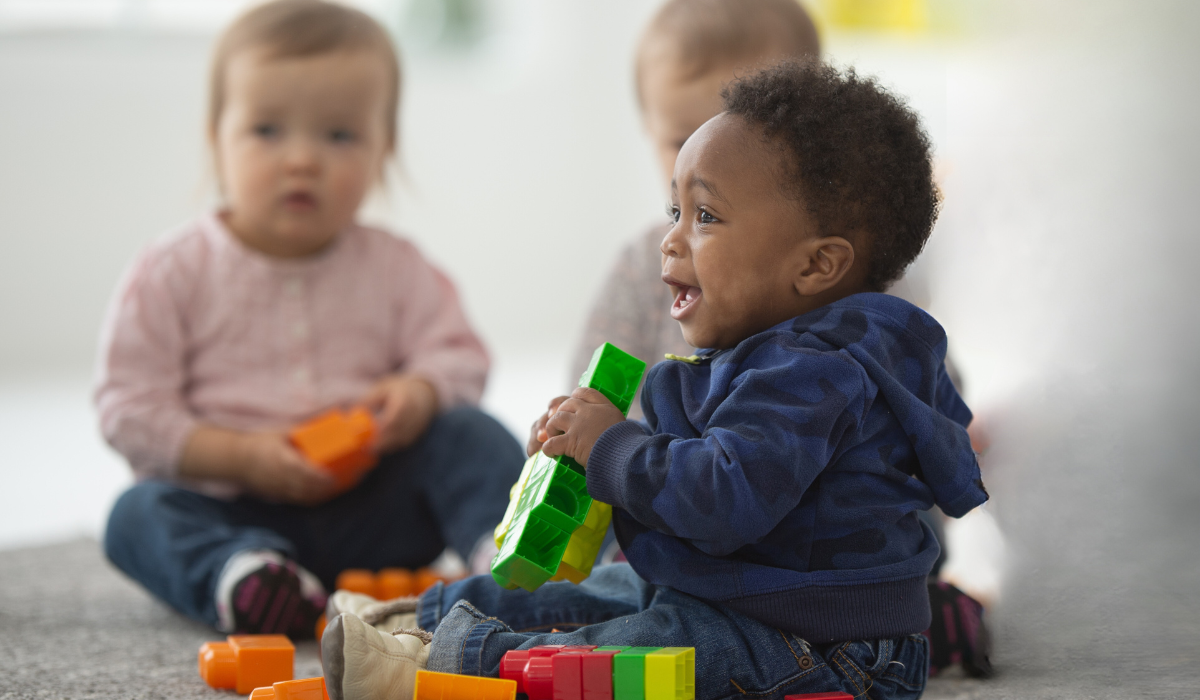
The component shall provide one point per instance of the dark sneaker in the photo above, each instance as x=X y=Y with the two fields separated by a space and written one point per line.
x=265 y=593
x=957 y=634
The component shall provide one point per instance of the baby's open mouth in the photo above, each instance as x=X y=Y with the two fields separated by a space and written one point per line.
x=685 y=296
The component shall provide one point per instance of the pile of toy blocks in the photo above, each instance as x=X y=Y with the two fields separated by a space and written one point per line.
x=388 y=583
x=602 y=673
x=552 y=530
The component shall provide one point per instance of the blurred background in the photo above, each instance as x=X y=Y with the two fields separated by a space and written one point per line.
x=1063 y=267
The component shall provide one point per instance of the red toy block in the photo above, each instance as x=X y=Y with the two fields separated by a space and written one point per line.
x=302 y=689
x=449 y=686
x=820 y=696
x=567 y=669
x=597 y=674
x=340 y=442
x=539 y=677
x=247 y=661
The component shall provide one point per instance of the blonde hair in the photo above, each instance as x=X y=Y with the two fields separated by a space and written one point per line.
x=300 y=28
x=701 y=35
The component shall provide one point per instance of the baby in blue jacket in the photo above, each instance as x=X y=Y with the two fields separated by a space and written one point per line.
x=768 y=505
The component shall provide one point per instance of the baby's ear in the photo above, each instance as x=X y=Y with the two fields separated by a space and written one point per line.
x=824 y=262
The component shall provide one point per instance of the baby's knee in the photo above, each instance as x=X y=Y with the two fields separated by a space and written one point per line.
x=133 y=513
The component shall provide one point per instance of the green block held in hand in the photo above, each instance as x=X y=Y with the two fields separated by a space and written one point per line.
x=550 y=503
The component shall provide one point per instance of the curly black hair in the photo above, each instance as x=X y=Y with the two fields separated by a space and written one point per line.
x=855 y=155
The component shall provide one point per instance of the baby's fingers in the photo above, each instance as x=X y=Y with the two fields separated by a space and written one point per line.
x=560 y=423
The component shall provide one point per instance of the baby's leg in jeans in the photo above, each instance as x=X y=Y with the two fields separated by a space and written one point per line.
x=736 y=656
x=176 y=542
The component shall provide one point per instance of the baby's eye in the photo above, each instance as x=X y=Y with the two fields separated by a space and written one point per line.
x=706 y=218
x=341 y=136
x=673 y=213
x=266 y=131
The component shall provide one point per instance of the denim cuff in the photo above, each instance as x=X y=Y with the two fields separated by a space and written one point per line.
x=458 y=643
x=429 y=607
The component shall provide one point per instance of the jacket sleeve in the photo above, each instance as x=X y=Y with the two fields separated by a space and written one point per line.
x=779 y=427
x=432 y=337
x=141 y=373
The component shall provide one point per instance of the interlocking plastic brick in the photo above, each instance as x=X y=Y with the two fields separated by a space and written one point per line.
x=531 y=666
x=339 y=441
x=820 y=696
x=247 y=661
x=357 y=581
x=567 y=667
x=549 y=504
x=671 y=674
x=431 y=685
x=394 y=583
x=629 y=673
x=598 y=673
x=301 y=689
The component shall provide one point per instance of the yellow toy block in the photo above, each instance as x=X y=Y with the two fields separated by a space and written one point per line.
x=585 y=544
x=671 y=674
x=450 y=686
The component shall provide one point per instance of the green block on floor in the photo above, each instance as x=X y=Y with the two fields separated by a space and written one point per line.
x=629 y=673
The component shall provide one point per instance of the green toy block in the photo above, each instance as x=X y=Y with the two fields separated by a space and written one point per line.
x=629 y=673
x=671 y=674
x=549 y=512
x=614 y=373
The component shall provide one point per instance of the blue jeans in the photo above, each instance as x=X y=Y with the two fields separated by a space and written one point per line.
x=449 y=489
x=474 y=622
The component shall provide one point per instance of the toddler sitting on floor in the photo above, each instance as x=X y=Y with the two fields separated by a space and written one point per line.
x=768 y=504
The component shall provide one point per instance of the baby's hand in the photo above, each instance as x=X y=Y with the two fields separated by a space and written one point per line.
x=537 y=432
x=578 y=423
x=404 y=405
x=276 y=470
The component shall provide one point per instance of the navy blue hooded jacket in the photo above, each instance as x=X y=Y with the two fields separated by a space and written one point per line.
x=782 y=477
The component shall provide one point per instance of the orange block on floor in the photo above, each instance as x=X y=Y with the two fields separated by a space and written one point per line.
x=339 y=441
x=388 y=583
x=358 y=581
x=448 y=686
x=302 y=689
x=247 y=661
x=393 y=583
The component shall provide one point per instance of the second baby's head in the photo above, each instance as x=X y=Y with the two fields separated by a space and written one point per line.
x=692 y=48
x=303 y=96
x=812 y=185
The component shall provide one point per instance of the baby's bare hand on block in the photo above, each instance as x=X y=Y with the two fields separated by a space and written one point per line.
x=578 y=423
x=404 y=405
x=277 y=471
x=537 y=432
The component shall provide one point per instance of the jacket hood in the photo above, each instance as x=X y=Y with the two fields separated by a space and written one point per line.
x=903 y=351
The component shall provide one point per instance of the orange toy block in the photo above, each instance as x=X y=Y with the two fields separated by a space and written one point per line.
x=358 y=581
x=393 y=583
x=247 y=661
x=388 y=583
x=340 y=442
x=302 y=689
x=448 y=686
